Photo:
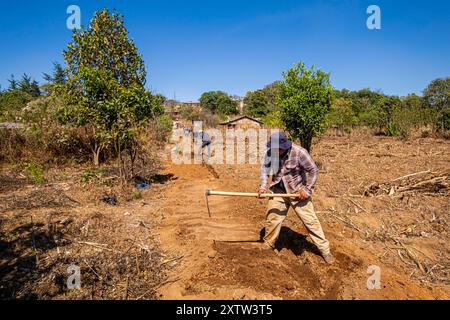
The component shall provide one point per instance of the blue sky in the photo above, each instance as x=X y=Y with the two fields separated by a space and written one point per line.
x=195 y=46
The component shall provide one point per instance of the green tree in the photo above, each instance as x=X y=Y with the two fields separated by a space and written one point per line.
x=11 y=104
x=305 y=98
x=256 y=104
x=342 y=115
x=437 y=96
x=35 y=89
x=58 y=76
x=218 y=102
x=385 y=108
x=105 y=45
x=25 y=83
x=109 y=112
x=13 y=85
x=104 y=91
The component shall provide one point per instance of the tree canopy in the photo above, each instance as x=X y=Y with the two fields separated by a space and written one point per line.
x=218 y=102
x=105 y=45
x=305 y=99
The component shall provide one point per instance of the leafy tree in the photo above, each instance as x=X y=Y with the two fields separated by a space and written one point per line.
x=385 y=109
x=305 y=99
x=218 y=102
x=104 y=91
x=108 y=111
x=105 y=45
x=273 y=120
x=342 y=115
x=437 y=96
x=256 y=104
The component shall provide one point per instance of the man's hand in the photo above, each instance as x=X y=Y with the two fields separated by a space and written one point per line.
x=303 y=195
x=260 y=192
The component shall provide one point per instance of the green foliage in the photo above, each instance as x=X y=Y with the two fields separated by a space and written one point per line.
x=13 y=84
x=219 y=102
x=89 y=174
x=437 y=97
x=29 y=86
x=163 y=126
x=104 y=91
x=36 y=172
x=11 y=104
x=94 y=98
x=57 y=78
x=273 y=120
x=342 y=115
x=136 y=196
x=256 y=104
x=305 y=99
x=105 y=45
x=58 y=75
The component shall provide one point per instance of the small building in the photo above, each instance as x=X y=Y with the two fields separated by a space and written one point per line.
x=243 y=122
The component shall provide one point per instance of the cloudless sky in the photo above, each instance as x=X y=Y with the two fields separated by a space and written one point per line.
x=190 y=47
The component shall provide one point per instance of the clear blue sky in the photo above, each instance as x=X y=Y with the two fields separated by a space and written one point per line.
x=194 y=46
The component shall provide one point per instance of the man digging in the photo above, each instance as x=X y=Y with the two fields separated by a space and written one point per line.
x=293 y=172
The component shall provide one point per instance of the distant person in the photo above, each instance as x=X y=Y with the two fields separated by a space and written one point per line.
x=206 y=141
x=296 y=173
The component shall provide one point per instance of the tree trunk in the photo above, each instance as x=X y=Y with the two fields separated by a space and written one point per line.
x=96 y=154
x=306 y=142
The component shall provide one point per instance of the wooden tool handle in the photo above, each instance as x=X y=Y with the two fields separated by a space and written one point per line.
x=249 y=194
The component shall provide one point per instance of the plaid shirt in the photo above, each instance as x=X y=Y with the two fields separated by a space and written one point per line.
x=291 y=170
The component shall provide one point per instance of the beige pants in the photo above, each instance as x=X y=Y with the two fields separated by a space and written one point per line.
x=277 y=211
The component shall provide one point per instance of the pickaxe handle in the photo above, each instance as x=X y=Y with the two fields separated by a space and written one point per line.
x=249 y=194
x=244 y=194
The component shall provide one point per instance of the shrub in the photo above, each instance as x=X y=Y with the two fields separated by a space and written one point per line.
x=36 y=172
x=163 y=127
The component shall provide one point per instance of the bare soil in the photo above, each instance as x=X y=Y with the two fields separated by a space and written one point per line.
x=369 y=216
x=381 y=202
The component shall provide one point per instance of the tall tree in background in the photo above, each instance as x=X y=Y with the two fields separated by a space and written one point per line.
x=437 y=96
x=25 y=83
x=58 y=75
x=218 y=102
x=57 y=78
x=256 y=104
x=35 y=89
x=305 y=98
x=13 y=85
x=105 y=45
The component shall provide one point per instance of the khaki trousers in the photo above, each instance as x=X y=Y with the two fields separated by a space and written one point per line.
x=277 y=211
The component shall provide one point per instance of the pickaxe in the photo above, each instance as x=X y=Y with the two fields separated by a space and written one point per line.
x=244 y=194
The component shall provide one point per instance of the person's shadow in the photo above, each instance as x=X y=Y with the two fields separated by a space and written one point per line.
x=291 y=240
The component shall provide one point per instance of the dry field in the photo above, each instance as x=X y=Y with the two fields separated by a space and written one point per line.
x=381 y=201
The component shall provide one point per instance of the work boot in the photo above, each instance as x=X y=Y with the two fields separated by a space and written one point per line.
x=267 y=246
x=329 y=258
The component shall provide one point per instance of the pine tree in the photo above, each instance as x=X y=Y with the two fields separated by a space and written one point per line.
x=12 y=83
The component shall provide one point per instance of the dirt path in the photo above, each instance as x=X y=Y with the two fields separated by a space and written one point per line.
x=222 y=258
x=188 y=230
